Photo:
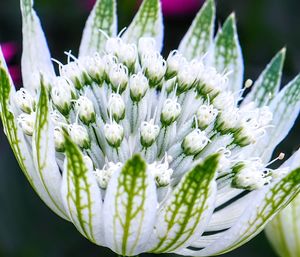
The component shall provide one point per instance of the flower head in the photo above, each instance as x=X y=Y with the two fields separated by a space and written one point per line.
x=146 y=154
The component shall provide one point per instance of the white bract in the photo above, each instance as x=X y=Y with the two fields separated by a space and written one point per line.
x=283 y=231
x=145 y=154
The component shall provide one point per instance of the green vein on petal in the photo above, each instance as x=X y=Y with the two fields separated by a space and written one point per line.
x=44 y=152
x=130 y=208
x=199 y=37
x=228 y=55
x=267 y=85
x=81 y=194
x=103 y=17
x=188 y=207
x=146 y=23
x=36 y=57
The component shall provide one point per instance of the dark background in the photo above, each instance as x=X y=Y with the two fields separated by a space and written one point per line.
x=27 y=227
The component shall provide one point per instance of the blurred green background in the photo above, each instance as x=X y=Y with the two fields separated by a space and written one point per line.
x=27 y=227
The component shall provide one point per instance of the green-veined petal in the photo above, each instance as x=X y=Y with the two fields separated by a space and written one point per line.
x=267 y=85
x=146 y=23
x=104 y=17
x=199 y=37
x=36 y=57
x=227 y=54
x=263 y=206
x=16 y=137
x=44 y=152
x=285 y=107
x=81 y=194
x=186 y=213
x=284 y=230
x=130 y=208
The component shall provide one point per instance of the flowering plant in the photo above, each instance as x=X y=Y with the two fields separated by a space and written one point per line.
x=145 y=154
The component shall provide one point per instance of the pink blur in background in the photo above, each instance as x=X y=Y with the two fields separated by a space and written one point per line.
x=10 y=51
x=170 y=7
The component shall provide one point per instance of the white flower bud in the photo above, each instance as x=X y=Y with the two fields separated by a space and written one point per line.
x=170 y=111
x=206 y=114
x=64 y=82
x=128 y=55
x=155 y=67
x=228 y=120
x=75 y=73
x=26 y=122
x=116 y=107
x=186 y=78
x=59 y=139
x=112 y=45
x=149 y=133
x=224 y=100
x=79 y=135
x=85 y=109
x=24 y=100
x=146 y=44
x=61 y=97
x=174 y=62
x=194 y=142
x=251 y=175
x=211 y=82
x=118 y=77
x=95 y=67
x=114 y=134
x=103 y=176
x=161 y=172
x=138 y=86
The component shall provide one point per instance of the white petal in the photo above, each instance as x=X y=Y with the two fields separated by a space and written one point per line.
x=146 y=23
x=81 y=194
x=227 y=55
x=263 y=206
x=44 y=152
x=17 y=140
x=285 y=107
x=130 y=208
x=199 y=37
x=186 y=213
x=36 y=57
x=104 y=17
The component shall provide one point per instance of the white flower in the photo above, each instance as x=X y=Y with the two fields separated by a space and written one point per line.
x=148 y=155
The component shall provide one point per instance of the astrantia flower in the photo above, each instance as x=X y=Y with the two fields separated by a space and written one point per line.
x=146 y=154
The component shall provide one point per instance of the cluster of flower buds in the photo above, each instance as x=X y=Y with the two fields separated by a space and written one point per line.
x=129 y=99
